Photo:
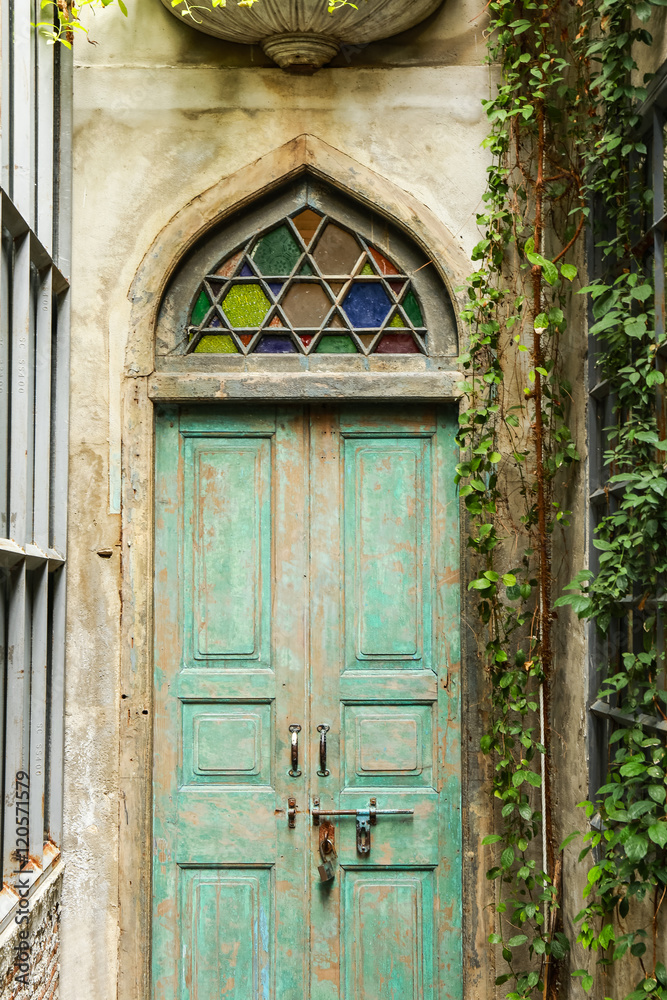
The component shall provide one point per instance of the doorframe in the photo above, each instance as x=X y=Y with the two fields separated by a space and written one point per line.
x=142 y=387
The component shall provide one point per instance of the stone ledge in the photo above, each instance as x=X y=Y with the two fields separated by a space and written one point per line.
x=163 y=387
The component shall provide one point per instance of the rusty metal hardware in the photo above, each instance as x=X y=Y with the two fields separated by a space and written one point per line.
x=294 y=771
x=365 y=819
x=323 y=771
x=291 y=813
x=327 y=869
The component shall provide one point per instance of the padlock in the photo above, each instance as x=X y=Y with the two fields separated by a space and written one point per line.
x=327 y=869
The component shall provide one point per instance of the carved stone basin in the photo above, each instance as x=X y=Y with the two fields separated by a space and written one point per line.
x=301 y=35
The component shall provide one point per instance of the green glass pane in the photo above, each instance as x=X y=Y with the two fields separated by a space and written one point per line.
x=397 y=321
x=216 y=344
x=336 y=344
x=412 y=309
x=276 y=253
x=367 y=269
x=306 y=269
x=245 y=305
x=202 y=306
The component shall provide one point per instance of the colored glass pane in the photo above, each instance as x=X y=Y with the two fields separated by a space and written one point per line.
x=246 y=271
x=306 y=269
x=202 y=306
x=336 y=344
x=337 y=251
x=277 y=252
x=397 y=321
x=366 y=305
x=216 y=344
x=306 y=305
x=306 y=339
x=306 y=223
x=271 y=344
x=336 y=321
x=276 y=321
x=385 y=266
x=227 y=269
x=335 y=286
x=397 y=343
x=367 y=269
x=245 y=305
x=245 y=338
x=367 y=339
x=412 y=309
x=275 y=287
x=396 y=287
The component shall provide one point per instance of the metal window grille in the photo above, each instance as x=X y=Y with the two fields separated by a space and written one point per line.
x=625 y=633
x=35 y=126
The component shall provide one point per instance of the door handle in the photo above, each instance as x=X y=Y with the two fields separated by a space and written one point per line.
x=365 y=819
x=323 y=771
x=294 y=771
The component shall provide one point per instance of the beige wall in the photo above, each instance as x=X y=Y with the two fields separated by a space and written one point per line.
x=161 y=114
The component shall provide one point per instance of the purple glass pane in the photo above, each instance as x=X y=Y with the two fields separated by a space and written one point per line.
x=246 y=272
x=271 y=344
x=215 y=322
x=366 y=305
x=275 y=287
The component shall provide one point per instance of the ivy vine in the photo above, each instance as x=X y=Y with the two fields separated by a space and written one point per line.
x=562 y=135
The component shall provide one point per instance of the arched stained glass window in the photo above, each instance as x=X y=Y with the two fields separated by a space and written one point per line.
x=306 y=278
x=308 y=285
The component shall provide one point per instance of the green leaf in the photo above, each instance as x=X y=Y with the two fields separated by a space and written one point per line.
x=568 y=271
x=568 y=840
x=658 y=834
x=507 y=858
x=492 y=838
x=636 y=846
x=517 y=941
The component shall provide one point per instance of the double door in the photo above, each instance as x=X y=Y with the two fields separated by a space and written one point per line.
x=306 y=817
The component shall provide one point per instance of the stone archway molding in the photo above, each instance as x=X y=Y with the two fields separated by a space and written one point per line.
x=305 y=153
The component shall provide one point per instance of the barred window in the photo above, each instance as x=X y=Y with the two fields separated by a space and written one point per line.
x=34 y=364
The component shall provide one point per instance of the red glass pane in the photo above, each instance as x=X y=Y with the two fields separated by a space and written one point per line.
x=384 y=266
x=397 y=343
x=226 y=269
x=245 y=338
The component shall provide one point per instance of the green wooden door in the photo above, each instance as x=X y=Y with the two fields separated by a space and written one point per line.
x=306 y=568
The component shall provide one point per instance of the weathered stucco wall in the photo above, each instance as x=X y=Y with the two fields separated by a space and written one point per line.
x=161 y=114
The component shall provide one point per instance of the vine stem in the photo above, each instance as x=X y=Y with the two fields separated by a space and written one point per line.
x=544 y=567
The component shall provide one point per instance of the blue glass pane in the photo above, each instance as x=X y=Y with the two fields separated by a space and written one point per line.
x=366 y=304
x=246 y=272
x=271 y=344
x=275 y=286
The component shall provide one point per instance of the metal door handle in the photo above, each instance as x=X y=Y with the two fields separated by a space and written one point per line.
x=294 y=771
x=323 y=771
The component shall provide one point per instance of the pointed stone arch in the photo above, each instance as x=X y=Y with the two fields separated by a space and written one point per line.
x=303 y=154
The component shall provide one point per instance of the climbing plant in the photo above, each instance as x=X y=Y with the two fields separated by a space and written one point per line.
x=562 y=135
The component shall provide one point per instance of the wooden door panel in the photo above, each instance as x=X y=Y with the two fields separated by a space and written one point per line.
x=384 y=562
x=227 y=934
x=227 y=554
x=386 y=543
x=388 y=921
x=229 y=910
